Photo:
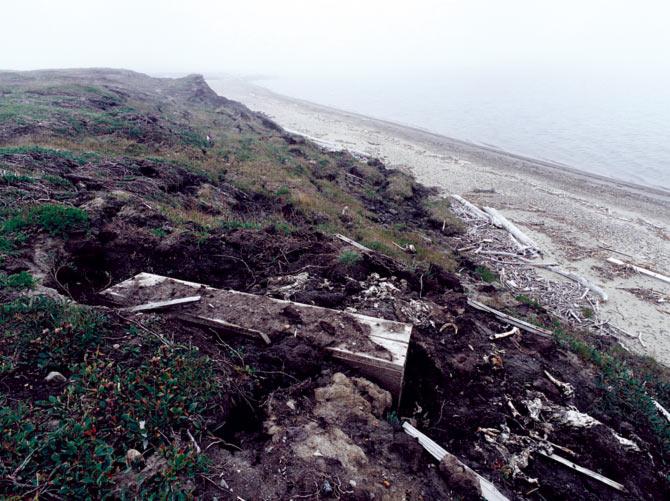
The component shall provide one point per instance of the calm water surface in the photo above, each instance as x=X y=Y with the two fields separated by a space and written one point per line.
x=610 y=124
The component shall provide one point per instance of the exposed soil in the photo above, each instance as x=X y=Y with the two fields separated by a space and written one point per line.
x=290 y=422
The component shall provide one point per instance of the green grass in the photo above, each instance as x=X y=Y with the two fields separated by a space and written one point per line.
x=240 y=225
x=57 y=220
x=283 y=227
x=486 y=274
x=283 y=191
x=624 y=391
x=21 y=280
x=349 y=258
x=192 y=138
x=522 y=298
x=57 y=181
x=78 y=158
x=15 y=179
x=159 y=232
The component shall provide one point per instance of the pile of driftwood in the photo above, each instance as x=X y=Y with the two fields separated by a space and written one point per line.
x=495 y=242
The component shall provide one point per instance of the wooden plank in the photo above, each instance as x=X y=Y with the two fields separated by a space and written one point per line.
x=353 y=243
x=643 y=271
x=121 y=290
x=159 y=305
x=393 y=336
x=217 y=323
x=585 y=471
x=662 y=410
x=489 y=491
x=522 y=324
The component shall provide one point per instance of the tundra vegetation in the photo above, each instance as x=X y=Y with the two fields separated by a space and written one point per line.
x=105 y=174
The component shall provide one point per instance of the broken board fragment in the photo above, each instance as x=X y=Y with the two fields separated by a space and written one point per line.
x=585 y=471
x=376 y=347
x=522 y=324
x=217 y=323
x=159 y=305
x=489 y=491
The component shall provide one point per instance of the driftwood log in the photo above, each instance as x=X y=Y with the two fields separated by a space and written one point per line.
x=643 y=271
x=497 y=219
x=471 y=208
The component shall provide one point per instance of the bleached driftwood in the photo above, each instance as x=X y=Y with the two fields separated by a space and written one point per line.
x=497 y=219
x=489 y=491
x=353 y=243
x=580 y=280
x=643 y=271
x=585 y=471
x=471 y=208
x=522 y=324
x=662 y=410
x=159 y=305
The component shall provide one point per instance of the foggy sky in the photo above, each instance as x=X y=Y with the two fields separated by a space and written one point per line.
x=330 y=37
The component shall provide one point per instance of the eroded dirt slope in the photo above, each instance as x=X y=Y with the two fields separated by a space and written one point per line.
x=106 y=174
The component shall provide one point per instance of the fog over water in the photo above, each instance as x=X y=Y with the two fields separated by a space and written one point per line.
x=584 y=82
x=613 y=125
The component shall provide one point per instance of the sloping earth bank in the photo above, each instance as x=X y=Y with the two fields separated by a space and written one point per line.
x=219 y=416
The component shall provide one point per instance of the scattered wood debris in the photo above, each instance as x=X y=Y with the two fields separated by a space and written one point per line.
x=575 y=301
x=639 y=269
x=497 y=219
x=488 y=490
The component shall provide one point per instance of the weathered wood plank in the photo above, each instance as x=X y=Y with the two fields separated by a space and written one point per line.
x=585 y=471
x=217 y=323
x=522 y=324
x=159 y=305
x=639 y=269
x=489 y=491
x=353 y=243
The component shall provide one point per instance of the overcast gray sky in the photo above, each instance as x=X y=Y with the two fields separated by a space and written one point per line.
x=331 y=36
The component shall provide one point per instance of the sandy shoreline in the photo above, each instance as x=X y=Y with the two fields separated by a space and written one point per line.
x=573 y=216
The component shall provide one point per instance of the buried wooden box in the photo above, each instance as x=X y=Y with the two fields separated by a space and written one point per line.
x=376 y=347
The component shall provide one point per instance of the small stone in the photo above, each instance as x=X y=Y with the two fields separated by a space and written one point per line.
x=326 y=488
x=55 y=377
x=133 y=457
x=290 y=404
x=352 y=483
x=116 y=346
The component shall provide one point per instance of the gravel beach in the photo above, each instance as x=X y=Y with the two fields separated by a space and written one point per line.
x=579 y=220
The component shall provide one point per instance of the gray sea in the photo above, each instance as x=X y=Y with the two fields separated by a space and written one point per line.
x=617 y=125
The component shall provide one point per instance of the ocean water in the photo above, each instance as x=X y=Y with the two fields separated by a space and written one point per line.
x=607 y=123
